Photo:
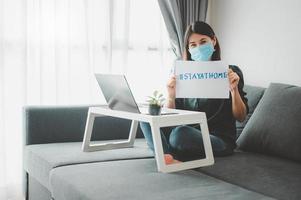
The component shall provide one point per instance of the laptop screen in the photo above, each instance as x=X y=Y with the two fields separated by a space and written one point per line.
x=117 y=93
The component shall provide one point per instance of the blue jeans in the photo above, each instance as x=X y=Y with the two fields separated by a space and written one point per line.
x=185 y=142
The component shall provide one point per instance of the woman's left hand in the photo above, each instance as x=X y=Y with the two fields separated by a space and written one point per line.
x=233 y=80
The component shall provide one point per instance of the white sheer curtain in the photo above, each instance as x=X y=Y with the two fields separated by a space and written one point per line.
x=50 y=50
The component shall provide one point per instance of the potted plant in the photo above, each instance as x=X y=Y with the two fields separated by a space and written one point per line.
x=155 y=103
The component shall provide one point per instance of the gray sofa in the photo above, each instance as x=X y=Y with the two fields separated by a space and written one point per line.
x=56 y=168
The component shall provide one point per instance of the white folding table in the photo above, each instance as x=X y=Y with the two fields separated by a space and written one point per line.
x=156 y=122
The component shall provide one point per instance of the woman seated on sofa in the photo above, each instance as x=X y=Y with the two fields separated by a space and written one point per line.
x=185 y=142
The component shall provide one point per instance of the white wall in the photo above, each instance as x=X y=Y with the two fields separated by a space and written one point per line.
x=263 y=37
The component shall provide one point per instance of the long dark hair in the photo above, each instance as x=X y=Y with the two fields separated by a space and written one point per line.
x=204 y=29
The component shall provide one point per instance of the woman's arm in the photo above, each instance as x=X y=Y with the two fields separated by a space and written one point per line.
x=239 y=109
x=171 y=103
x=171 y=89
x=238 y=106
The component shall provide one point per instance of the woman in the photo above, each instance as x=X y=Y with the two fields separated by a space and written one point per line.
x=185 y=142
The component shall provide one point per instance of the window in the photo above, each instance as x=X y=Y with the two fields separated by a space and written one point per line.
x=140 y=46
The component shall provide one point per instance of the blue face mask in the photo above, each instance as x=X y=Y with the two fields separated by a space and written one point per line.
x=202 y=52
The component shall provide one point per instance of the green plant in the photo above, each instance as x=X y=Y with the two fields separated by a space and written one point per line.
x=156 y=99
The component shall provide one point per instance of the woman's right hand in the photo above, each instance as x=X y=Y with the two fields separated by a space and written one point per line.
x=171 y=87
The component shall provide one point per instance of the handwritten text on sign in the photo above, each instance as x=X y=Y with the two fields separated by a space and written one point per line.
x=201 y=79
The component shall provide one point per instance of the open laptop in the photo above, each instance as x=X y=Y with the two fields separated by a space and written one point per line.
x=118 y=94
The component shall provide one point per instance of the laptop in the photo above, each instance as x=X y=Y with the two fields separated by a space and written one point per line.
x=119 y=96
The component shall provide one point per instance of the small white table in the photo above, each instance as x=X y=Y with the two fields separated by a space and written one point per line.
x=156 y=122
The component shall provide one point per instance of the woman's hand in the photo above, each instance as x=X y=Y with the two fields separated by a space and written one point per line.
x=233 y=80
x=171 y=87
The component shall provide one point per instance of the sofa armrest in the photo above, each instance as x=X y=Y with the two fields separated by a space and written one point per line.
x=51 y=124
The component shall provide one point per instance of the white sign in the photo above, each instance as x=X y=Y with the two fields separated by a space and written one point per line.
x=199 y=79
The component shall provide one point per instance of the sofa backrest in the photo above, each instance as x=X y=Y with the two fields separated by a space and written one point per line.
x=67 y=123
x=51 y=124
x=254 y=94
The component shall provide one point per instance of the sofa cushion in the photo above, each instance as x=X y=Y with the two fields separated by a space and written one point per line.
x=136 y=180
x=275 y=127
x=254 y=95
x=39 y=159
x=271 y=176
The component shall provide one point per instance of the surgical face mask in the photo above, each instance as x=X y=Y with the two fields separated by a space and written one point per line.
x=202 y=52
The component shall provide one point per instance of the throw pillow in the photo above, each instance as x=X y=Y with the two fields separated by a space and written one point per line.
x=275 y=126
x=254 y=95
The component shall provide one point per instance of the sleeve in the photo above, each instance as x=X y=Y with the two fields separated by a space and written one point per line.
x=242 y=93
x=179 y=103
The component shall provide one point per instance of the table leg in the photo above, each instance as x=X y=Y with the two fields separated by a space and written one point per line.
x=88 y=147
x=133 y=132
x=159 y=155
x=207 y=143
x=162 y=167
x=88 y=131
